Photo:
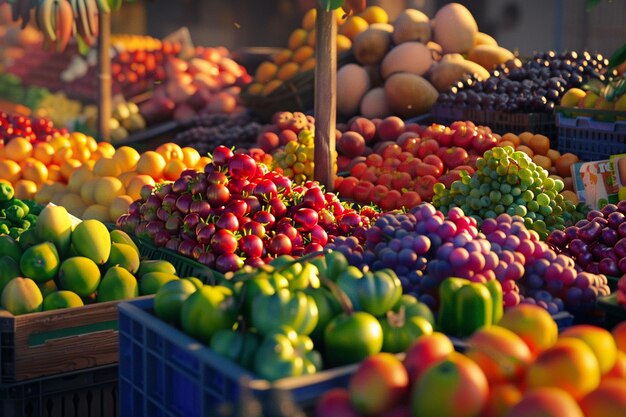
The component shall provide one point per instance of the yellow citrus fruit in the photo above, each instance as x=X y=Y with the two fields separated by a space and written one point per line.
x=87 y=191
x=126 y=158
x=202 y=162
x=190 y=156
x=353 y=26
x=81 y=152
x=106 y=167
x=106 y=149
x=375 y=14
x=97 y=212
x=308 y=21
x=134 y=186
x=59 y=142
x=25 y=189
x=68 y=166
x=62 y=154
x=10 y=170
x=173 y=169
x=265 y=72
x=54 y=173
x=78 y=137
x=78 y=178
x=44 y=152
x=125 y=177
x=106 y=189
x=151 y=163
x=119 y=206
x=170 y=151
x=18 y=149
x=34 y=170
x=343 y=44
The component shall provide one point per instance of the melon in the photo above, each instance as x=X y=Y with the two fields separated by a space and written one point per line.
x=413 y=57
x=490 y=56
x=411 y=25
x=409 y=95
x=352 y=84
x=371 y=45
x=454 y=28
x=374 y=104
x=453 y=68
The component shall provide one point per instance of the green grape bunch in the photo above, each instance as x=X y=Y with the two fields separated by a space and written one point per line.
x=508 y=181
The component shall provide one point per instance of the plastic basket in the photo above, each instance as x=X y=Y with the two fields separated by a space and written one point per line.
x=591 y=140
x=88 y=393
x=500 y=122
x=164 y=372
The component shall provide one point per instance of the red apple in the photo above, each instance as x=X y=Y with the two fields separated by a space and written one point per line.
x=380 y=383
x=404 y=137
x=425 y=351
x=454 y=156
x=409 y=199
x=365 y=127
x=484 y=142
x=361 y=192
x=351 y=144
x=390 y=128
x=335 y=403
x=427 y=147
x=463 y=135
x=436 y=162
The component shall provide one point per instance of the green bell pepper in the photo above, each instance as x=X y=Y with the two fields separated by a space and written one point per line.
x=295 y=309
x=209 y=309
x=283 y=353
x=374 y=292
x=6 y=192
x=14 y=214
x=466 y=306
x=400 y=329
x=236 y=345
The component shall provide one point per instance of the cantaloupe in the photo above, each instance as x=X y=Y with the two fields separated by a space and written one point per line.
x=371 y=45
x=489 y=56
x=413 y=57
x=352 y=84
x=454 y=28
x=453 y=68
x=374 y=104
x=411 y=25
x=409 y=95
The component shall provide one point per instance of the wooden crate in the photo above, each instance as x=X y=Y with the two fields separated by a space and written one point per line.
x=57 y=341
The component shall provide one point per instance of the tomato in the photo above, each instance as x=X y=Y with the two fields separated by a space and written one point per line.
x=238 y=346
x=284 y=353
x=385 y=179
x=427 y=147
x=284 y=308
x=209 y=309
x=350 y=338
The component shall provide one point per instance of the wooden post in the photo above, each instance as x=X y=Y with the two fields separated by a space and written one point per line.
x=104 y=75
x=325 y=96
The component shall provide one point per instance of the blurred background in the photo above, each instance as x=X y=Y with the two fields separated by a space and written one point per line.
x=525 y=25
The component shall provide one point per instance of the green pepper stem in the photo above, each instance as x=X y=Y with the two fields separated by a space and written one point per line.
x=344 y=300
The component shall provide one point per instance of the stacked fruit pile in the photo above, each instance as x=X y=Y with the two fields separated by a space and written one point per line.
x=16 y=216
x=597 y=96
x=58 y=265
x=520 y=367
x=236 y=211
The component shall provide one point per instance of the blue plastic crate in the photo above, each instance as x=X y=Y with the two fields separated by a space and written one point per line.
x=164 y=372
x=590 y=139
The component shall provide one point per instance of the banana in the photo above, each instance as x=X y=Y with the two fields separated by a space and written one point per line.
x=64 y=24
x=45 y=20
x=82 y=20
x=103 y=6
x=92 y=16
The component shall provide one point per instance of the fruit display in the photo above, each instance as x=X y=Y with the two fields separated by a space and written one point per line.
x=204 y=133
x=236 y=211
x=31 y=128
x=610 y=95
x=59 y=265
x=306 y=316
x=299 y=56
x=535 y=86
x=57 y=108
x=508 y=181
x=125 y=120
x=16 y=216
x=502 y=372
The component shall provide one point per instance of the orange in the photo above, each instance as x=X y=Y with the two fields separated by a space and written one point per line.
x=91 y=143
x=343 y=44
x=25 y=189
x=119 y=206
x=564 y=163
x=533 y=324
x=511 y=137
x=87 y=191
x=308 y=21
x=106 y=189
x=106 y=167
x=151 y=163
x=44 y=152
x=202 y=162
x=599 y=340
x=173 y=169
x=105 y=149
x=190 y=156
x=78 y=137
x=525 y=138
x=54 y=173
x=540 y=144
x=265 y=72
x=353 y=26
x=34 y=170
x=297 y=38
x=125 y=177
x=283 y=56
x=61 y=154
x=59 y=142
x=68 y=166
x=375 y=14
x=81 y=152
x=170 y=151
x=553 y=154
x=543 y=161
x=302 y=54
x=10 y=170
x=134 y=186
x=527 y=150
x=287 y=71
x=18 y=149
x=126 y=158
